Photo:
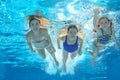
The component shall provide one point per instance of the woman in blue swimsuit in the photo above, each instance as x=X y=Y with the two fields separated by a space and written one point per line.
x=71 y=44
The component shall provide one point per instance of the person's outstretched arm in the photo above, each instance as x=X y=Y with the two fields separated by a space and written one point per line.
x=29 y=43
x=95 y=18
x=80 y=46
x=58 y=42
x=60 y=38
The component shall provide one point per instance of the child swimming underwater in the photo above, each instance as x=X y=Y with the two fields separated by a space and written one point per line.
x=71 y=44
x=39 y=37
x=104 y=30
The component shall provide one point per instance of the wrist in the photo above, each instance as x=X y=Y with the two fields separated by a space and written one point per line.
x=65 y=22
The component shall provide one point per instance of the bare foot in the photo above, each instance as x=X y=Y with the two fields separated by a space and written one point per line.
x=91 y=52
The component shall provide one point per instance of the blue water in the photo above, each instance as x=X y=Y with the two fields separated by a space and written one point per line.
x=18 y=63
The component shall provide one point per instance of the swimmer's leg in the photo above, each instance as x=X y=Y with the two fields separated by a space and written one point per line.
x=73 y=55
x=94 y=52
x=42 y=53
x=96 y=48
x=52 y=51
x=65 y=56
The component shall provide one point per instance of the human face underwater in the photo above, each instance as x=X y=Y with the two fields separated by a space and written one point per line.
x=104 y=23
x=72 y=32
x=35 y=25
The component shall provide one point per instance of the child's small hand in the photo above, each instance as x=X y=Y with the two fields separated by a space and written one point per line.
x=96 y=11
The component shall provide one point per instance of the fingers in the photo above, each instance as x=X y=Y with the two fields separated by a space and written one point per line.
x=96 y=10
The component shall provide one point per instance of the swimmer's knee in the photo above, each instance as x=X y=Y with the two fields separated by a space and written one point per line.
x=73 y=56
x=51 y=50
x=64 y=58
x=42 y=56
x=42 y=53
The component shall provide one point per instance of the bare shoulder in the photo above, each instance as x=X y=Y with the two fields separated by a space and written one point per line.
x=44 y=29
x=80 y=39
x=44 y=32
x=63 y=38
x=29 y=34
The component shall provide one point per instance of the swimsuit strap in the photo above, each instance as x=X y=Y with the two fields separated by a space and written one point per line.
x=66 y=39
x=110 y=30
x=75 y=42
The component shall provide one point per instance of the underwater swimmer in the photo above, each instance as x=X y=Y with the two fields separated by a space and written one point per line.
x=104 y=30
x=40 y=38
x=72 y=43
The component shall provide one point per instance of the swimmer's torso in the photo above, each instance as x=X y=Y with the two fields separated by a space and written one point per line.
x=107 y=30
x=70 y=45
x=104 y=35
x=40 y=40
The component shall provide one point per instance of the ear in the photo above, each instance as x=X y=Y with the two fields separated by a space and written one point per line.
x=99 y=24
x=110 y=23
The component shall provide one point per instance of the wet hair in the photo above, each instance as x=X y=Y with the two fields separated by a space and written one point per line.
x=104 y=17
x=29 y=17
x=109 y=22
x=33 y=17
x=72 y=26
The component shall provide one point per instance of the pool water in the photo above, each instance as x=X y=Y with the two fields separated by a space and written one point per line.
x=17 y=62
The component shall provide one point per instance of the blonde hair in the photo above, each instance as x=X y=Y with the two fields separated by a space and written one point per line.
x=63 y=31
x=39 y=16
x=104 y=17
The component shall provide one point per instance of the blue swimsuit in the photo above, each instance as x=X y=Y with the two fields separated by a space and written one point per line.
x=104 y=39
x=70 y=48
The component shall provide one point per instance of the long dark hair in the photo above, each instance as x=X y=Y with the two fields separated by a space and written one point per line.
x=72 y=26
x=33 y=17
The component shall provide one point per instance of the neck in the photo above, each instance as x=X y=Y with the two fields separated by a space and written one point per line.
x=36 y=31
x=105 y=28
x=71 y=38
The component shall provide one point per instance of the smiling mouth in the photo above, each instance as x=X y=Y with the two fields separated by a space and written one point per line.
x=35 y=28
